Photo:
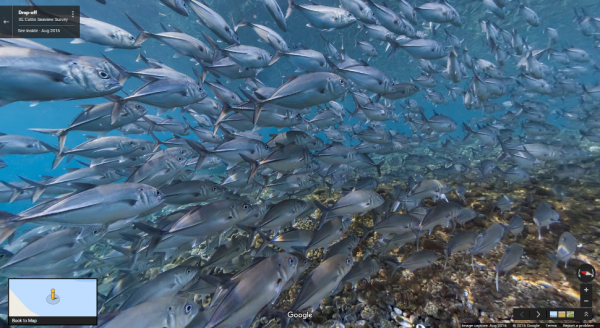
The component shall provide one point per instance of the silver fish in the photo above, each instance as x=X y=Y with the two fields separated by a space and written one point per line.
x=276 y=13
x=510 y=259
x=567 y=246
x=322 y=281
x=165 y=284
x=487 y=240
x=38 y=75
x=462 y=241
x=213 y=21
x=544 y=216
x=250 y=290
x=172 y=312
x=304 y=91
x=418 y=260
x=323 y=17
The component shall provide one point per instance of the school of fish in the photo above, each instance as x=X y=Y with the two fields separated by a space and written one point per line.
x=203 y=197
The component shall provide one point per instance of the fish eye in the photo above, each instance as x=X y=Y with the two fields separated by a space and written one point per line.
x=103 y=74
x=341 y=81
x=188 y=308
x=291 y=261
x=245 y=207
x=188 y=271
x=132 y=143
x=157 y=193
x=180 y=159
x=214 y=188
x=96 y=232
x=348 y=261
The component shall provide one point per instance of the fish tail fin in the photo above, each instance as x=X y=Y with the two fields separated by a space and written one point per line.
x=291 y=5
x=265 y=239
x=355 y=112
x=156 y=234
x=57 y=153
x=417 y=233
x=395 y=45
x=251 y=233
x=258 y=105
x=197 y=147
x=16 y=191
x=366 y=231
x=142 y=58
x=254 y=164
x=468 y=130
x=330 y=186
x=226 y=109
x=60 y=133
x=123 y=72
x=497 y=285
x=275 y=57
x=157 y=141
x=8 y=225
x=187 y=126
x=143 y=36
x=218 y=54
x=118 y=103
x=446 y=254
x=39 y=188
x=240 y=23
x=331 y=64
x=395 y=267
x=378 y=166
x=324 y=209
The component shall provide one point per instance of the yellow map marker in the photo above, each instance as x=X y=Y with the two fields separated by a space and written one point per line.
x=52 y=292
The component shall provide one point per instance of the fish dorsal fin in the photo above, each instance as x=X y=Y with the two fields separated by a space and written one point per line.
x=175 y=28
x=164 y=28
x=289 y=78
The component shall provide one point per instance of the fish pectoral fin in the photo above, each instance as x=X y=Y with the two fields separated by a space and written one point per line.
x=77 y=256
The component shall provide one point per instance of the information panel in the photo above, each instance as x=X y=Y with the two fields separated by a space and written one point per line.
x=39 y=22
